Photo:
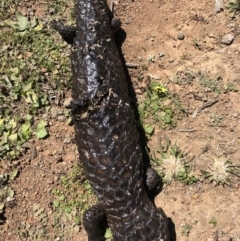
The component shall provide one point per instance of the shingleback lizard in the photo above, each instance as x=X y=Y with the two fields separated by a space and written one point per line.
x=106 y=133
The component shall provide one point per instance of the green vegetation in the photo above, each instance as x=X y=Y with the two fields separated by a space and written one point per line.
x=182 y=78
x=220 y=171
x=213 y=221
x=215 y=84
x=186 y=229
x=159 y=107
x=234 y=6
x=173 y=164
x=33 y=65
x=71 y=198
x=74 y=195
x=6 y=192
x=34 y=68
x=215 y=119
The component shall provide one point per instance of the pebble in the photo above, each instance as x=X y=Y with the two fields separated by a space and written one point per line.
x=61 y=118
x=228 y=228
x=236 y=185
x=227 y=39
x=235 y=115
x=54 y=112
x=67 y=102
x=160 y=55
x=138 y=91
x=171 y=60
x=49 y=181
x=67 y=139
x=45 y=116
x=58 y=159
x=39 y=149
x=155 y=77
x=180 y=35
x=211 y=35
x=172 y=211
x=195 y=196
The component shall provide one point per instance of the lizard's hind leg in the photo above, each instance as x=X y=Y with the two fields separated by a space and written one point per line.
x=92 y=220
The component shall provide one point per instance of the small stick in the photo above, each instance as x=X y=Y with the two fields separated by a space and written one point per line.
x=132 y=65
x=112 y=6
x=19 y=237
x=8 y=81
x=187 y=130
x=198 y=188
x=195 y=113
x=44 y=170
x=218 y=6
x=208 y=104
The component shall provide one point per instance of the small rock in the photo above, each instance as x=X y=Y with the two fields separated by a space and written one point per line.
x=62 y=152
x=155 y=77
x=16 y=163
x=195 y=196
x=58 y=159
x=236 y=185
x=171 y=60
x=218 y=7
x=49 y=181
x=67 y=139
x=45 y=116
x=160 y=55
x=172 y=211
x=39 y=149
x=67 y=102
x=180 y=35
x=54 y=112
x=211 y=35
x=138 y=91
x=227 y=39
x=61 y=118
x=228 y=228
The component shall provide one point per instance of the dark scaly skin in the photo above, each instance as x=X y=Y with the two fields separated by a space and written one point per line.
x=106 y=132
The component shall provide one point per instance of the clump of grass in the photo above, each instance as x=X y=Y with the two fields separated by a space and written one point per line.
x=183 y=77
x=203 y=80
x=220 y=171
x=215 y=119
x=173 y=164
x=74 y=195
x=213 y=221
x=214 y=84
x=71 y=198
x=159 y=107
x=234 y=6
x=186 y=229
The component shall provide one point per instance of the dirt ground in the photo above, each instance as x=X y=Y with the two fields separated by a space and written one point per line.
x=181 y=35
